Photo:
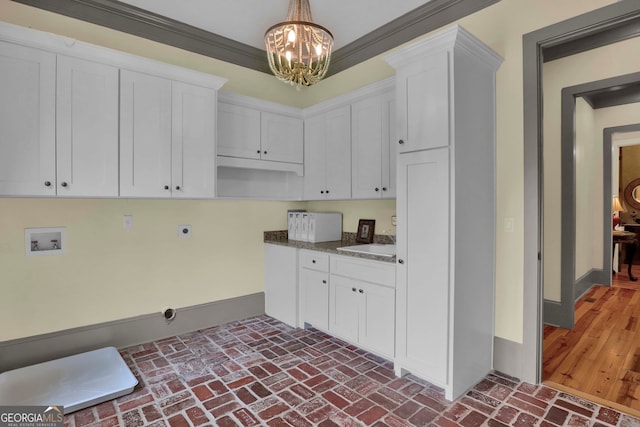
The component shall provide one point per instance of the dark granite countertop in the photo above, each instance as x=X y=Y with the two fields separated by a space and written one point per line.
x=348 y=239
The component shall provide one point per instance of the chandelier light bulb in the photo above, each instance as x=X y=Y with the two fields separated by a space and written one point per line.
x=291 y=37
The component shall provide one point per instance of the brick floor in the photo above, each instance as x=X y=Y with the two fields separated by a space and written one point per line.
x=261 y=372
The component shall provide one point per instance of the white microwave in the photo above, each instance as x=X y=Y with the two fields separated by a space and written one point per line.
x=315 y=226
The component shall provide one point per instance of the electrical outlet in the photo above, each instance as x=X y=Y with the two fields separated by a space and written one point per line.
x=393 y=220
x=184 y=231
x=509 y=225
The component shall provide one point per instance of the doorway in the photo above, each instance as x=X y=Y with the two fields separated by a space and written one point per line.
x=599 y=358
x=607 y=25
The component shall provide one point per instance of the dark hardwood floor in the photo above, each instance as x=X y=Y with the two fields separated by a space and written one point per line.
x=599 y=358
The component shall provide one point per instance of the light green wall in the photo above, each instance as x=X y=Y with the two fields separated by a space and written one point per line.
x=109 y=273
x=589 y=169
x=501 y=26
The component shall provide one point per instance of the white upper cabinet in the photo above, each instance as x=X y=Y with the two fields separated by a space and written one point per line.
x=238 y=131
x=58 y=125
x=167 y=138
x=281 y=138
x=194 y=141
x=27 y=121
x=423 y=122
x=327 y=155
x=78 y=120
x=87 y=128
x=145 y=135
x=374 y=147
x=252 y=129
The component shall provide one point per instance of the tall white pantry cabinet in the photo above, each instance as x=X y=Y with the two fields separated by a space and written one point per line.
x=445 y=93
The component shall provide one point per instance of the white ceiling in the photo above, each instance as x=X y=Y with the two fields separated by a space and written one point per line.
x=246 y=21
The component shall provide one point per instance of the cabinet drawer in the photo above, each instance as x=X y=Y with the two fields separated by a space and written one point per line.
x=314 y=260
x=380 y=272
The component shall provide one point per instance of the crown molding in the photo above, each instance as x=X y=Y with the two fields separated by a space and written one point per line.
x=422 y=20
x=139 y=22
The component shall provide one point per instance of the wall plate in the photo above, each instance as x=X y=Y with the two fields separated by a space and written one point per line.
x=184 y=231
x=45 y=241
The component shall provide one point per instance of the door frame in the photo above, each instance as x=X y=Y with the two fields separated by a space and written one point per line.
x=593 y=29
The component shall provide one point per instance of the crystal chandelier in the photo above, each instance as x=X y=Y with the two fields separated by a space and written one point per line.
x=298 y=50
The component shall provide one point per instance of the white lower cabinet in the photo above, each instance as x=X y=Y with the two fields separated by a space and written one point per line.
x=362 y=303
x=280 y=283
x=314 y=289
x=349 y=297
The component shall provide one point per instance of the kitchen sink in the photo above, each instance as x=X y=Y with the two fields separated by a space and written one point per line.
x=371 y=249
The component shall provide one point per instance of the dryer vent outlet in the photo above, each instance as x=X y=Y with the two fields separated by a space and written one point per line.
x=169 y=314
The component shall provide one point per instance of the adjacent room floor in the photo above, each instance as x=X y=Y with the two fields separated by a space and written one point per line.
x=261 y=372
x=599 y=358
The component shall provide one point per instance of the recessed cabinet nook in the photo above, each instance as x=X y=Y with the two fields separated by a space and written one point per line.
x=84 y=121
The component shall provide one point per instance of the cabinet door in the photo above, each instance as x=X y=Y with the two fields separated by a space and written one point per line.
x=281 y=138
x=422 y=271
x=423 y=104
x=280 y=283
x=389 y=146
x=344 y=300
x=314 y=158
x=315 y=304
x=367 y=129
x=377 y=318
x=238 y=131
x=27 y=121
x=338 y=153
x=194 y=141
x=145 y=135
x=87 y=128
